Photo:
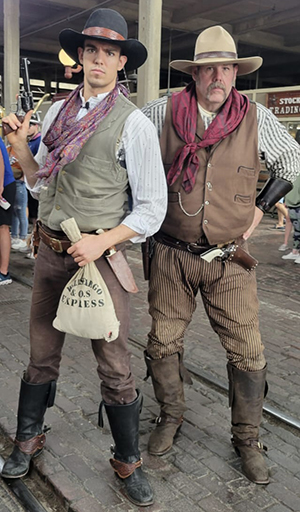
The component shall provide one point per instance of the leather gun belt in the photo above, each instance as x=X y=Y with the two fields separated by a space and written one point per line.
x=193 y=247
x=57 y=240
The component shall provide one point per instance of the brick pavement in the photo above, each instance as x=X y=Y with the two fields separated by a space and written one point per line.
x=201 y=473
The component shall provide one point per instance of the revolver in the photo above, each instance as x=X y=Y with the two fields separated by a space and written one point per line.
x=25 y=98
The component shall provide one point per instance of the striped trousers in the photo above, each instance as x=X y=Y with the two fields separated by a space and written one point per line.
x=229 y=296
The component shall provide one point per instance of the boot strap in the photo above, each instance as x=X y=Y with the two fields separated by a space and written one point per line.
x=165 y=419
x=123 y=469
x=32 y=445
x=251 y=443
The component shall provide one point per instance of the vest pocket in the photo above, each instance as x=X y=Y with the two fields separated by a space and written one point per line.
x=246 y=171
x=101 y=168
x=238 y=198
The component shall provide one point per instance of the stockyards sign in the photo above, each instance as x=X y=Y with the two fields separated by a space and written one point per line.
x=284 y=104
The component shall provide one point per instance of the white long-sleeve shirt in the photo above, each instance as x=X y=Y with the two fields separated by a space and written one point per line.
x=139 y=148
x=281 y=151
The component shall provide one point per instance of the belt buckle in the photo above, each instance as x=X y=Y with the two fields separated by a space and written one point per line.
x=192 y=247
x=56 y=245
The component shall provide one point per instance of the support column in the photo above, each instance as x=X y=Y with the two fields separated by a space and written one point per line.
x=11 y=11
x=150 y=14
x=47 y=80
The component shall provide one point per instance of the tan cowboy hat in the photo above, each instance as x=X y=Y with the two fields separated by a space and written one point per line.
x=216 y=46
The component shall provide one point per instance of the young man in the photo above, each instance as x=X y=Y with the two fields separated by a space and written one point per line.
x=97 y=146
x=210 y=144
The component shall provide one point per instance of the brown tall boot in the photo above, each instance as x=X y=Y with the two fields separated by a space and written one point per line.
x=167 y=376
x=246 y=395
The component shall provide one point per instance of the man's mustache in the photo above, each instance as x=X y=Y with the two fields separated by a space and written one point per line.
x=216 y=85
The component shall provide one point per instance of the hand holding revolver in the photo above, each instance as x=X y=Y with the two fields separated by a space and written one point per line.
x=16 y=129
x=13 y=122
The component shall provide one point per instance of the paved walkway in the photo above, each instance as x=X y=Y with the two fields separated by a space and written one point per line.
x=201 y=473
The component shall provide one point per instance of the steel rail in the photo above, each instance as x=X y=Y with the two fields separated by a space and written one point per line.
x=22 y=493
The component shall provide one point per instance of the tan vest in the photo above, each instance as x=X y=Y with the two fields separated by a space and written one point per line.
x=94 y=187
x=222 y=202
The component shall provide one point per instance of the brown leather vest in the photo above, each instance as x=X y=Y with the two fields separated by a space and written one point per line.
x=222 y=202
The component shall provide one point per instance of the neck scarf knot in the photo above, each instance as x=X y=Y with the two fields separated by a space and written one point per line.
x=184 y=117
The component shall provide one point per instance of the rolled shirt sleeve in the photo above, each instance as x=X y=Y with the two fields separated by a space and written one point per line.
x=281 y=150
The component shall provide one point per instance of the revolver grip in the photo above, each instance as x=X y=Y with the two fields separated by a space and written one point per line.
x=6 y=129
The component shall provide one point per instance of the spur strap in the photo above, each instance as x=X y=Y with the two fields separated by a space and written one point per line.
x=123 y=469
x=251 y=443
x=32 y=445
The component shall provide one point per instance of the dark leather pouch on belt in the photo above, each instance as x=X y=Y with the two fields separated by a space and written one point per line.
x=242 y=258
x=35 y=239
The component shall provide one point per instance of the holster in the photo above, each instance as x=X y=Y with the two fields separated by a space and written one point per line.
x=147 y=253
x=243 y=258
x=35 y=239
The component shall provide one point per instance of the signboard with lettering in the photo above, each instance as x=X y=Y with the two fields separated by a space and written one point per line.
x=284 y=104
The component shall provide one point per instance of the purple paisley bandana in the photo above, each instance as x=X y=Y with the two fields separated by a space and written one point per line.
x=66 y=136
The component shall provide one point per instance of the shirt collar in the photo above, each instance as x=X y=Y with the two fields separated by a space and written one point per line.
x=93 y=100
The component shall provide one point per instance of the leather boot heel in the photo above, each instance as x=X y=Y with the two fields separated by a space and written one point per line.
x=162 y=437
x=253 y=462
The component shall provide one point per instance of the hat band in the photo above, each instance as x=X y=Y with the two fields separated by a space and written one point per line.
x=216 y=55
x=103 y=32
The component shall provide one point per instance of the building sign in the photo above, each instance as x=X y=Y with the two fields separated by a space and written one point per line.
x=284 y=104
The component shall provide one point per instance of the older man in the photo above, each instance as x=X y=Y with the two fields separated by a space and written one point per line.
x=210 y=143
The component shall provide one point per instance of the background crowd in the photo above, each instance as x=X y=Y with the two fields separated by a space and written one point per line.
x=20 y=216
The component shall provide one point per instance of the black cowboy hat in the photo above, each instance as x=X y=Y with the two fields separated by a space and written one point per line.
x=105 y=25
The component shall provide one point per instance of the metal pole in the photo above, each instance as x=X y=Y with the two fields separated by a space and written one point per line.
x=150 y=14
x=11 y=13
x=169 y=69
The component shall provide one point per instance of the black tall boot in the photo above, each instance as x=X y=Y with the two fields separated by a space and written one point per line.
x=168 y=375
x=246 y=394
x=124 y=424
x=30 y=438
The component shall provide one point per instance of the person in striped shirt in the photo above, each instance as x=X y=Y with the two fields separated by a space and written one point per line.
x=210 y=138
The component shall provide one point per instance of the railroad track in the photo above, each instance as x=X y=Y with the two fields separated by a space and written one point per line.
x=20 y=497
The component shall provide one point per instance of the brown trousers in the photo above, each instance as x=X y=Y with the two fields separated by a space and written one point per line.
x=52 y=272
x=229 y=295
